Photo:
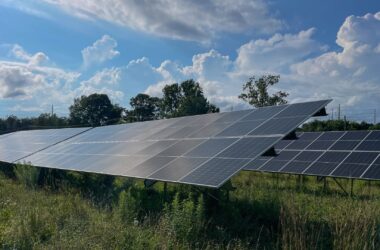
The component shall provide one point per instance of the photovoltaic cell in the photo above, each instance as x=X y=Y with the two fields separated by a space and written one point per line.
x=296 y=167
x=369 y=146
x=335 y=135
x=214 y=172
x=309 y=136
x=282 y=144
x=211 y=147
x=354 y=135
x=149 y=166
x=278 y=126
x=177 y=169
x=299 y=109
x=181 y=147
x=209 y=130
x=320 y=145
x=264 y=113
x=374 y=136
x=373 y=172
x=345 y=145
x=350 y=170
x=299 y=144
x=248 y=147
x=256 y=164
x=240 y=128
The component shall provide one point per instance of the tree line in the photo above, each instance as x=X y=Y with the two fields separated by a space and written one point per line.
x=178 y=99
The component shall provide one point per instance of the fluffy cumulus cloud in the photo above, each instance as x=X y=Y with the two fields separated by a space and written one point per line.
x=27 y=75
x=308 y=70
x=100 y=51
x=105 y=82
x=349 y=76
x=30 y=79
x=178 y=19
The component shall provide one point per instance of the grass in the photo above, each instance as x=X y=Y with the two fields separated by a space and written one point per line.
x=265 y=211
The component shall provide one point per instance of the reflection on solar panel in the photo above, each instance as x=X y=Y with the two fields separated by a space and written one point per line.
x=204 y=150
x=351 y=154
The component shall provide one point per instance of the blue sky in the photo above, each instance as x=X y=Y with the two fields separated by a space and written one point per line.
x=52 y=51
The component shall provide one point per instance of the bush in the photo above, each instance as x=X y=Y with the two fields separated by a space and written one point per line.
x=27 y=175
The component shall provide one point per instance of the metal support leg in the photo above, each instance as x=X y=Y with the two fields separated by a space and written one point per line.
x=340 y=186
x=352 y=187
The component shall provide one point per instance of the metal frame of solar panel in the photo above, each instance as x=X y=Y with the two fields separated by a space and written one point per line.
x=343 y=154
x=204 y=150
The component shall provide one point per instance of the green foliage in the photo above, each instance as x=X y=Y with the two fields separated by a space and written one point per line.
x=185 y=218
x=262 y=213
x=94 y=110
x=185 y=99
x=337 y=125
x=27 y=175
x=144 y=108
x=44 y=120
x=255 y=91
x=128 y=207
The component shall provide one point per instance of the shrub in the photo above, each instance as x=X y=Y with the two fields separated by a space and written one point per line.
x=27 y=175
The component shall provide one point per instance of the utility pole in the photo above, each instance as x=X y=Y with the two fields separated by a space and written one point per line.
x=52 y=110
x=374 y=116
x=339 y=112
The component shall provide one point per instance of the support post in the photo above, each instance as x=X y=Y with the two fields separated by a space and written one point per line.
x=340 y=186
x=165 y=191
x=352 y=187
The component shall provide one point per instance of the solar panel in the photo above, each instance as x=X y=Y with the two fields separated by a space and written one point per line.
x=203 y=150
x=15 y=146
x=351 y=154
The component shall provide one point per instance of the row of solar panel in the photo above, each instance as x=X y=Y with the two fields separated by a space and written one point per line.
x=353 y=154
x=215 y=147
x=206 y=162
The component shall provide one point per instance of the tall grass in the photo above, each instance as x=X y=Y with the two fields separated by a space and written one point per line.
x=264 y=212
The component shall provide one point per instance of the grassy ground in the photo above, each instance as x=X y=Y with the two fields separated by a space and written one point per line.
x=265 y=211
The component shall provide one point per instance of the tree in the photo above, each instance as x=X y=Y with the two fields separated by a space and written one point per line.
x=255 y=91
x=185 y=99
x=144 y=108
x=94 y=110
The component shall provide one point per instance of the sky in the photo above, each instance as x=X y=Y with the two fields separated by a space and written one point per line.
x=52 y=51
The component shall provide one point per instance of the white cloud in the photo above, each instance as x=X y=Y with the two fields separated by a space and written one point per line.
x=178 y=19
x=103 y=82
x=349 y=76
x=100 y=51
x=276 y=53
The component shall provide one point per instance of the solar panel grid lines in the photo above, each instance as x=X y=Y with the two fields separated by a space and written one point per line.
x=162 y=148
x=187 y=176
x=165 y=165
x=52 y=144
x=322 y=154
x=345 y=136
x=374 y=164
x=280 y=170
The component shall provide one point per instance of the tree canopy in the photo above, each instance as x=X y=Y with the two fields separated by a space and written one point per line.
x=255 y=91
x=94 y=110
x=185 y=99
x=144 y=108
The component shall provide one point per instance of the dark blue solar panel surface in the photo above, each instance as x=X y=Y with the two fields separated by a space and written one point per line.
x=201 y=150
x=351 y=154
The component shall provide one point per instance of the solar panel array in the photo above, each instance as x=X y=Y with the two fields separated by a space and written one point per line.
x=349 y=154
x=17 y=145
x=203 y=150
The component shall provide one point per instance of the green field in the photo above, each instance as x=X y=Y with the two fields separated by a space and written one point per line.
x=264 y=211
